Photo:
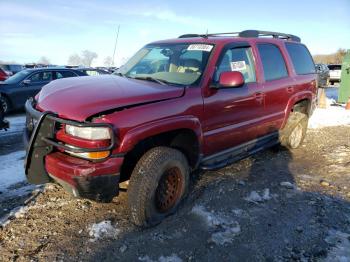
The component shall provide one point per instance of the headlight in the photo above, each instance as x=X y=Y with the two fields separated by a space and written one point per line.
x=90 y=133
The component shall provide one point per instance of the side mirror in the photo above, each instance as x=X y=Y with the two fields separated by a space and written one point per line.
x=26 y=81
x=231 y=79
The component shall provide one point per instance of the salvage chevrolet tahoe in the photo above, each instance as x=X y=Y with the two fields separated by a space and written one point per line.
x=195 y=102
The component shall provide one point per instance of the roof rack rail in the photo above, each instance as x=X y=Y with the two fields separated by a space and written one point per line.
x=258 y=33
x=191 y=35
x=249 y=33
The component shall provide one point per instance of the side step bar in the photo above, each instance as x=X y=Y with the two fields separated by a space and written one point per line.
x=231 y=155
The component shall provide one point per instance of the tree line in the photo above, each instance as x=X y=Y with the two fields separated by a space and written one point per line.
x=86 y=57
x=334 y=58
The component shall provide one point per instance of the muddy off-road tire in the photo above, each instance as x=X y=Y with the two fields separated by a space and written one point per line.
x=158 y=184
x=294 y=132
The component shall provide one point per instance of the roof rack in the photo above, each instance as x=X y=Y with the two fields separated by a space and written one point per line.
x=249 y=33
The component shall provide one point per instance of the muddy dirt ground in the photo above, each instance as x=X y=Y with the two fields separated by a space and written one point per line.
x=274 y=206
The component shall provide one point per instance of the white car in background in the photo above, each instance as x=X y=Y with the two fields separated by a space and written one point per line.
x=334 y=73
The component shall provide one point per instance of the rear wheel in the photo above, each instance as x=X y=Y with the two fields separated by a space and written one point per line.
x=157 y=185
x=294 y=132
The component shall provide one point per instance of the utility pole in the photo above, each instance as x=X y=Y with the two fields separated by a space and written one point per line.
x=115 y=45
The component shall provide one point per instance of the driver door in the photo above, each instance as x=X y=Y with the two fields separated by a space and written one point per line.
x=231 y=114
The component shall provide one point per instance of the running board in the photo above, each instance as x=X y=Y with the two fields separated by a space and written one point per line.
x=231 y=155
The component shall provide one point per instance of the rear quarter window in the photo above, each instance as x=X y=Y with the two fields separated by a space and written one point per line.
x=273 y=62
x=301 y=59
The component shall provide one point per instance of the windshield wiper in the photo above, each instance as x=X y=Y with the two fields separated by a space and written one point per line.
x=150 y=78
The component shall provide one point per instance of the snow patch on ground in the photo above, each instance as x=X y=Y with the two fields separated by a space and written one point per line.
x=340 y=251
x=224 y=228
x=256 y=197
x=335 y=115
x=17 y=124
x=12 y=170
x=103 y=230
x=172 y=258
x=17 y=212
x=331 y=116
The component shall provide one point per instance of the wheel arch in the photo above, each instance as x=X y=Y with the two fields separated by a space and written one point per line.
x=300 y=102
x=182 y=133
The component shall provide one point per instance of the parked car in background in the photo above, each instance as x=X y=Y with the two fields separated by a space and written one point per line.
x=27 y=83
x=34 y=65
x=334 y=73
x=322 y=75
x=197 y=101
x=92 y=71
x=11 y=69
x=3 y=75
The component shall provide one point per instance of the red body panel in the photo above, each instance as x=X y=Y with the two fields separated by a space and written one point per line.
x=66 y=167
x=81 y=97
x=220 y=118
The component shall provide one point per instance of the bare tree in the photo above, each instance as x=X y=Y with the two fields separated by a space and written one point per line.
x=74 y=60
x=87 y=57
x=335 y=58
x=108 y=61
x=44 y=60
x=339 y=55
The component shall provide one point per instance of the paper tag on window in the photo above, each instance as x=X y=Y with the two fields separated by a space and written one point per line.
x=200 y=47
x=238 y=66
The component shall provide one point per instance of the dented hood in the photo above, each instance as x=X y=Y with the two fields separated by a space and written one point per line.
x=78 y=98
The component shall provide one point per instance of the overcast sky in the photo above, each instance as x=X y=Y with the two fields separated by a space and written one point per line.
x=57 y=29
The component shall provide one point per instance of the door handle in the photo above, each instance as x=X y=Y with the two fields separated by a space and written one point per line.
x=259 y=96
x=290 y=89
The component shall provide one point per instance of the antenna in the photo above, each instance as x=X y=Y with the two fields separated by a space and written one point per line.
x=115 y=45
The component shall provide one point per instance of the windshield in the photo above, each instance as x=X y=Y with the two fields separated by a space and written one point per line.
x=17 y=77
x=181 y=64
x=16 y=68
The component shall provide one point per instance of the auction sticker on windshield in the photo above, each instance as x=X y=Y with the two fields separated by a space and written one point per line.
x=200 y=47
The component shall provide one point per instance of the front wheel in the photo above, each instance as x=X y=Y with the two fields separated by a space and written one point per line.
x=294 y=132
x=4 y=103
x=157 y=185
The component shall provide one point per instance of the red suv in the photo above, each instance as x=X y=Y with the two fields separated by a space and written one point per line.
x=198 y=101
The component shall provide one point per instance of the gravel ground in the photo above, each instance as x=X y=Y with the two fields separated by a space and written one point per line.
x=274 y=206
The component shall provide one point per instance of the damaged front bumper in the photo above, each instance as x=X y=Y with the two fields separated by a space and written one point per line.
x=46 y=161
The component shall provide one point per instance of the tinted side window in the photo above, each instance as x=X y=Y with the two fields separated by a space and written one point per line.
x=301 y=59
x=36 y=77
x=64 y=74
x=273 y=63
x=41 y=77
x=47 y=76
x=237 y=59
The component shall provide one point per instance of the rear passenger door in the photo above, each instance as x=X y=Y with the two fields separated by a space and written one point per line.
x=278 y=87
